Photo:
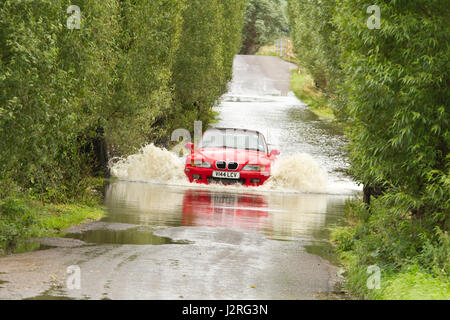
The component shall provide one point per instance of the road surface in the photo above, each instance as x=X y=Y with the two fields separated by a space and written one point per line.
x=173 y=240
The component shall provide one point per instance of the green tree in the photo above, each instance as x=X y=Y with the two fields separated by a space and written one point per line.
x=198 y=74
x=129 y=75
x=315 y=40
x=233 y=22
x=396 y=88
x=392 y=84
x=265 y=20
x=53 y=85
x=150 y=32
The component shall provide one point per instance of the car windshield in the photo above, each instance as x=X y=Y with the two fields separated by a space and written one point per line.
x=248 y=140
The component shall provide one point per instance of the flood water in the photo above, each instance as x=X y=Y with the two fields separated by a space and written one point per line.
x=305 y=196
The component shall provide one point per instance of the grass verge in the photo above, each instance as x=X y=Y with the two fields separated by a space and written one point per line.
x=411 y=264
x=270 y=50
x=22 y=218
x=303 y=86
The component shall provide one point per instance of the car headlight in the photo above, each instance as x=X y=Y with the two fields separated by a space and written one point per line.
x=201 y=164
x=253 y=167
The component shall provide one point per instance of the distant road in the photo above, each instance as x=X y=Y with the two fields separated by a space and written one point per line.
x=263 y=73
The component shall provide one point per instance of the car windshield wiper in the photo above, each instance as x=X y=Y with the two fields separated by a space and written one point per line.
x=253 y=149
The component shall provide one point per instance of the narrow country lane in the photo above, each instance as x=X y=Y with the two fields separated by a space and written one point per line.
x=175 y=240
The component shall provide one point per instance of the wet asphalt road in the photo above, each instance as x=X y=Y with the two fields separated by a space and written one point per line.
x=181 y=241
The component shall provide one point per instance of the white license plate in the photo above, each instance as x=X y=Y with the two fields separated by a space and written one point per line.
x=226 y=174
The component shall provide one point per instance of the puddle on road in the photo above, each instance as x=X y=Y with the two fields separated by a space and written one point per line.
x=48 y=297
x=128 y=236
x=323 y=249
x=22 y=246
x=55 y=293
x=2 y=282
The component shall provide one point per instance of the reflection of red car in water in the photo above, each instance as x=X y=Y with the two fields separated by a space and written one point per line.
x=230 y=156
x=206 y=208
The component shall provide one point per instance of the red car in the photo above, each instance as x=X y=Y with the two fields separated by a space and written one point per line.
x=230 y=156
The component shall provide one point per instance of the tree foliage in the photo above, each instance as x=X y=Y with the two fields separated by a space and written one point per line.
x=198 y=75
x=150 y=32
x=396 y=88
x=233 y=23
x=54 y=84
x=265 y=20
x=210 y=38
x=133 y=70
x=392 y=84
x=314 y=40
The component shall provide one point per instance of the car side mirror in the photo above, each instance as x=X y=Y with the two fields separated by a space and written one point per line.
x=189 y=146
x=274 y=152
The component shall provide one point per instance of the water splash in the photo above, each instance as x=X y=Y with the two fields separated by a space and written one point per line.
x=294 y=173
x=298 y=172
x=150 y=164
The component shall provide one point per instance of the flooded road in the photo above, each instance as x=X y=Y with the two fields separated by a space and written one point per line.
x=163 y=238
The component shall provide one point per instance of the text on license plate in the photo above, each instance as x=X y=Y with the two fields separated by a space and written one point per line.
x=226 y=174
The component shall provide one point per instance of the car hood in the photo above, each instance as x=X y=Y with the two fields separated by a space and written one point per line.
x=229 y=154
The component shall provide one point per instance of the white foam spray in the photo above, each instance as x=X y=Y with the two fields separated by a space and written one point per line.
x=150 y=164
x=299 y=172
x=294 y=173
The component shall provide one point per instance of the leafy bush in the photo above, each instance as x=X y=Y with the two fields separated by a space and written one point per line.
x=397 y=238
x=394 y=240
x=344 y=238
x=15 y=220
x=414 y=284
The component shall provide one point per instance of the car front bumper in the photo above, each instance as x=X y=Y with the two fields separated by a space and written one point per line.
x=204 y=175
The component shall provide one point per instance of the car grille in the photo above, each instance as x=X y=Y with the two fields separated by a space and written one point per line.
x=232 y=165
x=221 y=165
